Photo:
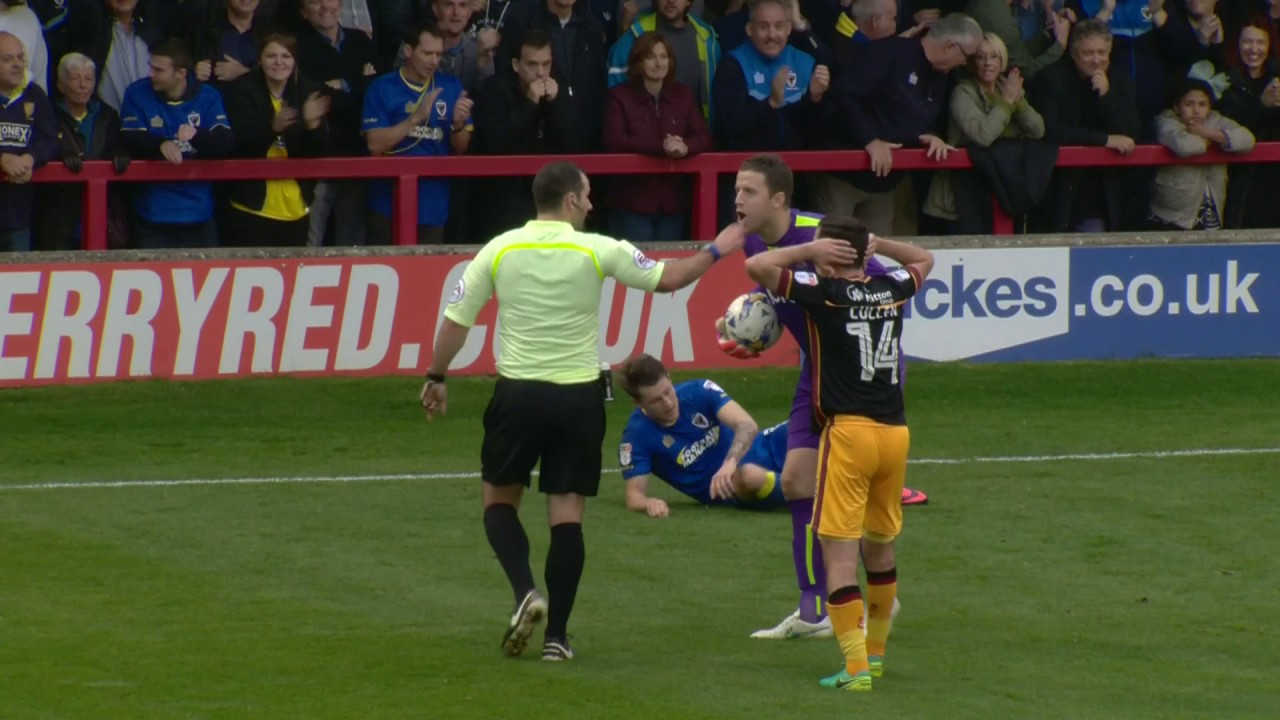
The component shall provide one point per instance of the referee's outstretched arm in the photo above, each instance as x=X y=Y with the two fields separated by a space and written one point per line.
x=562 y=195
x=680 y=273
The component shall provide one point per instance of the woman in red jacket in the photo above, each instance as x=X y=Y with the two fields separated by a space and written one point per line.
x=652 y=114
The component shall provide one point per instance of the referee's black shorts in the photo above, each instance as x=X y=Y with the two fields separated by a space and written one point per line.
x=562 y=426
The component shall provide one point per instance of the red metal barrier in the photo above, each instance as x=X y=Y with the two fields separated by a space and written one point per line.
x=705 y=169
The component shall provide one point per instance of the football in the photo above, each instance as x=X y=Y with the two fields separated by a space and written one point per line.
x=752 y=322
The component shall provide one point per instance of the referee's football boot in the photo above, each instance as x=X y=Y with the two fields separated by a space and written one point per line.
x=556 y=650
x=531 y=611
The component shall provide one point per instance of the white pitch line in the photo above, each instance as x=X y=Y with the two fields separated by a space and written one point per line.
x=307 y=479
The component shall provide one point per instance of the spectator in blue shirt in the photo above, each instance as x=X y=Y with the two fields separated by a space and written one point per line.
x=416 y=111
x=172 y=116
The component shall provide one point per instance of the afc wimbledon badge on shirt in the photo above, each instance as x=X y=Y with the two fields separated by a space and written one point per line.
x=700 y=421
x=644 y=262
x=455 y=295
x=193 y=119
x=441 y=108
x=792 y=80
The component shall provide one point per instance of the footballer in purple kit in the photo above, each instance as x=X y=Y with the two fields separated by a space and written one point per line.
x=762 y=199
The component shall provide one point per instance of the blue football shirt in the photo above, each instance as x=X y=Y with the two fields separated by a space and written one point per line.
x=390 y=100
x=687 y=454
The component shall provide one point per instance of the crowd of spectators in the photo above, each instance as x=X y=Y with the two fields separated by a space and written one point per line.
x=1008 y=80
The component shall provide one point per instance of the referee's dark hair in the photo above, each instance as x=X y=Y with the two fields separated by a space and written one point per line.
x=553 y=182
x=639 y=372
x=777 y=175
x=847 y=228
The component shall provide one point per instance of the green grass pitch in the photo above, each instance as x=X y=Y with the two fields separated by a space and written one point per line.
x=1131 y=587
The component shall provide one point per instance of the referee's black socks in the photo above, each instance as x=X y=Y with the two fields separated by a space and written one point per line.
x=511 y=544
x=564 y=569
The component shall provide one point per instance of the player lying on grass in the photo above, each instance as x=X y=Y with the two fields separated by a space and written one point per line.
x=695 y=438
x=763 y=190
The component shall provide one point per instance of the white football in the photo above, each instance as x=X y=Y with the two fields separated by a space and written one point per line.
x=752 y=322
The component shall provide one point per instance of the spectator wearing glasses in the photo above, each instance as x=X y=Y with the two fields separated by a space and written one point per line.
x=988 y=106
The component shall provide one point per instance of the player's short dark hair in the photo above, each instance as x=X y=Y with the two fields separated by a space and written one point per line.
x=847 y=228
x=639 y=372
x=777 y=174
x=535 y=39
x=553 y=182
x=413 y=34
x=179 y=53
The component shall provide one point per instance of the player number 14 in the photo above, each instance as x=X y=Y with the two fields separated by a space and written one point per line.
x=882 y=355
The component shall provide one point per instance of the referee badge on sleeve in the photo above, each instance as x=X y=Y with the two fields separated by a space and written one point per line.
x=459 y=290
x=644 y=262
x=624 y=454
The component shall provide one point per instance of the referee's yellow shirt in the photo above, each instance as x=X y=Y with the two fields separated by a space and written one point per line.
x=548 y=277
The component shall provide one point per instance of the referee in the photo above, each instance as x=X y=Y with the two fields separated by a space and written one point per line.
x=548 y=405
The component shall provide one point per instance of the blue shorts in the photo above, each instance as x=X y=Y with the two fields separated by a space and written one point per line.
x=769 y=451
